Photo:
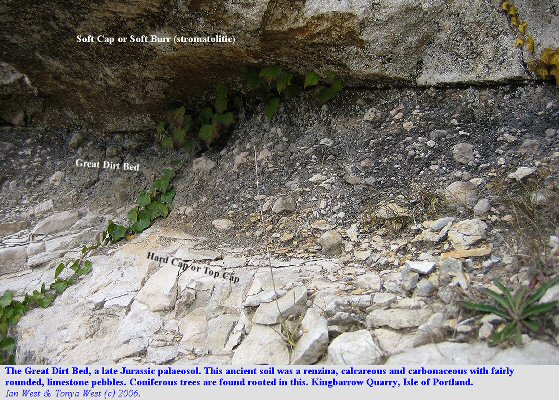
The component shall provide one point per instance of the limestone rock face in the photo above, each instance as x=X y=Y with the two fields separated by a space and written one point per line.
x=425 y=42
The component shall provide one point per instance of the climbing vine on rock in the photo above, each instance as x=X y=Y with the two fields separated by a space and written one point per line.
x=272 y=85
x=546 y=66
x=150 y=206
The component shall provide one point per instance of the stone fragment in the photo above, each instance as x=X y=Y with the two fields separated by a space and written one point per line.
x=482 y=207
x=331 y=242
x=77 y=139
x=424 y=288
x=284 y=204
x=202 y=165
x=475 y=252
x=140 y=322
x=12 y=259
x=314 y=340
x=463 y=153
x=461 y=194
x=56 y=223
x=421 y=267
x=222 y=224
x=8 y=228
x=35 y=248
x=219 y=329
x=384 y=299
x=355 y=348
x=393 y=342
x=369 y=281
x=56 y=178
x=263 y=345
x=197 y=255
x=390 y=211
x=397 y=318
x=521 y=173
x=362 y=255
x=372 y=115
x=159 y=293
x=292 y=303
x=466 y=233
x=409 y=279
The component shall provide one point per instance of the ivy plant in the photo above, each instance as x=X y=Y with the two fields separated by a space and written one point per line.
x=151 y=205
x=190 y=129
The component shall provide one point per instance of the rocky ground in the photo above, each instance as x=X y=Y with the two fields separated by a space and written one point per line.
x=368 y=220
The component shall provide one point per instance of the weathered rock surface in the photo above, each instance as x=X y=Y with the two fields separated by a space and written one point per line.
x=389 y=41
x=354 y=348
x=397 y=318
x=314 y=341
x=263 y=345
x=160 y=291
x=56 y=223
x=292 y=303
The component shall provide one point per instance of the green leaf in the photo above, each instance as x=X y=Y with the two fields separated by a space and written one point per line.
x=133 y=215
x=503 y=335
x=4 y=328
x=179 y=136
x=284 y=81
x=59 y=270
x=167 y=142
x=206 y=115
x=8 y=344
x=161 y=184
x=270 y=74
x=500 y=299
x=221 y=100
x=160 y=128
x=168 y=197
x=207 y=133
x=189 y=145
x=485 y=308
x=169 y=173
x=143 y=200
x=311 y=79
x=46 y=301
x=75 y=265
x=143 y=222
x=221 y=90
x=187 y=122
x=519 y=298
x=220 y=104
x=59 y=286
x=116 y=232
x=252 y=79
x=272 y=107
x=88 y=267
x=178 y=116
x=506 y=292
x=532 y=325
x=538 y=309
x=238 y=102
x=157 y=209
x=6 y=298
x=226 y=119
x=538 y=294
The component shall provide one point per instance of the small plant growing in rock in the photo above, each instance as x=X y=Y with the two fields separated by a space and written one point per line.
x=184 y=130
x=521 y=310
x=151 y=205
x=547 y=65
x=271 y=84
